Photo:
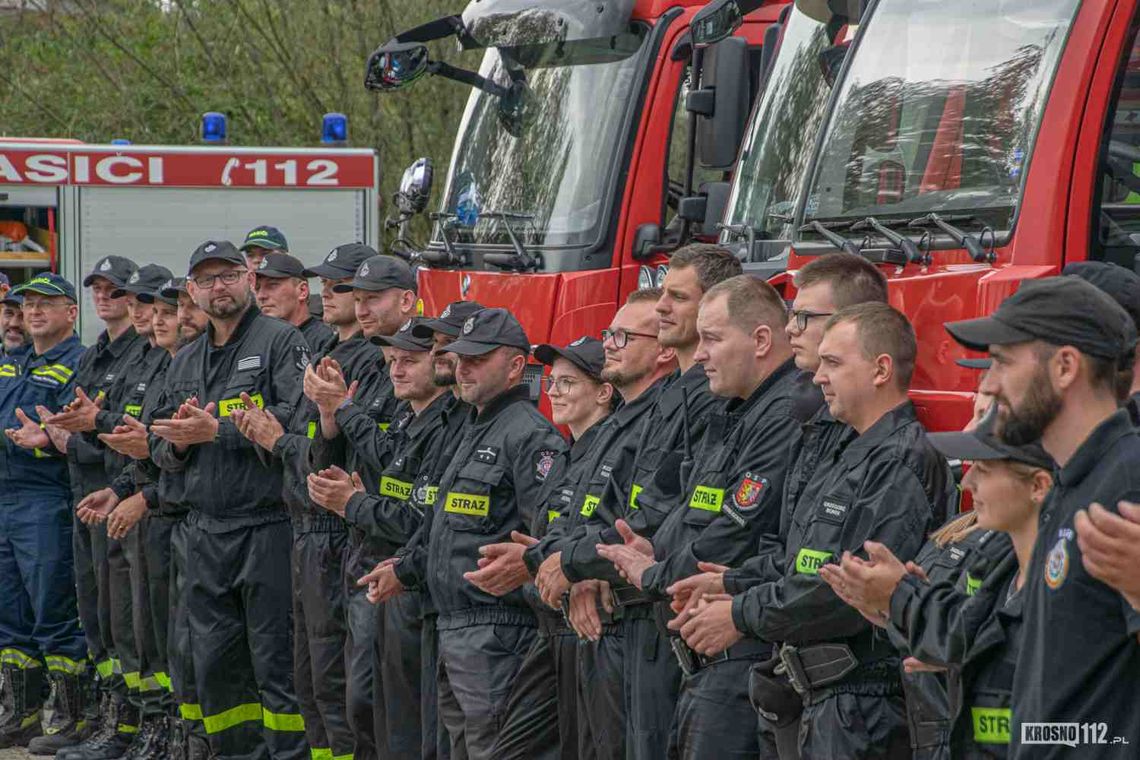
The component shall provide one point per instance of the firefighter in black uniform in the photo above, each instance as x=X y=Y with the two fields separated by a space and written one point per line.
x=730 y=503
x=319 y=540
x=1060 y=347
x=543 y=705
x=888 y=485
x=353 y=435
x=407 y=570
x=281 y=285
x=635 y=365
x=102 y=611
x=490 y=488
x=239 y=591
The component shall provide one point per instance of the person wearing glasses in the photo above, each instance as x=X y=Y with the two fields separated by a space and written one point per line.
x=39 y=625
x=240 y=593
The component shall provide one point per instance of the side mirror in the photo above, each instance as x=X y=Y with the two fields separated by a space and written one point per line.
x=716 y=21
x=415 y=188
x=647 y=237
x=722 y=103
x=716 y=202
x=395 y=65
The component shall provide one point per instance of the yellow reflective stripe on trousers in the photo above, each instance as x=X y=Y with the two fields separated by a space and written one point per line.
x=282 y=721
x=133 y=680
x=251 y=712
x=18 y=659
x=164 y=680
x=327 y=754
x=148 y=684
x=190 y=711
x=105 y=668
x=126 y=728
x=60 y=664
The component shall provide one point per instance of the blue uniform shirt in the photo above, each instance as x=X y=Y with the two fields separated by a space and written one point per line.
x=28 y=380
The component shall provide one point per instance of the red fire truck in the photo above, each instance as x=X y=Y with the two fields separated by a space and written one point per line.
x=64 y=204
x=597 y=138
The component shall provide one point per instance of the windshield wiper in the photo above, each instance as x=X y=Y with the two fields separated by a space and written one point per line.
x=521 y=259
x=841 y=243
x=905 y=244
x=975 y=246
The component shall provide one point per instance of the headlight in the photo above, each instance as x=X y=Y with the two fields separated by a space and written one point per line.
x=644 y=278
x=659 y=280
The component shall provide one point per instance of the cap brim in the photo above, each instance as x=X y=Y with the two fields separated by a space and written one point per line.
x=268 y=245
x=89 y=279
x=470 y=348
x=14 y=300
x=45 y=290
x=135 y=290
x=374 y=287
x=965 y=446
x=329 y=272
x=395 y=341
x=172 y=293
x=152 y=297
x=430 y=327
x=277 y=274
x=227 y=259
x=974 y=363
x=979 y=334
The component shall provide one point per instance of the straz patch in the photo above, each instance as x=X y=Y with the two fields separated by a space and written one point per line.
x=707 y=498
x=1057 y=562
x=809 y=561
x=395 y=489
x=228 y=406
x=745 y=498
x=486 y=455
x=135 y=410
x=544 y=464
x=300 y=357
x=589 y=505
x=470 y=504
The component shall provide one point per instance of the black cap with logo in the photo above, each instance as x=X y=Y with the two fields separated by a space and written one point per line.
x=265 y=237
x=487 y=330
x=451 y=319
x=380 y=272
x=278 y=266
x=983 y=444
x=115 y=269
x=585 y=353
x=1062 y=311
x=406 y=337
x=147 y=279
x=342 y=261
x=215 y=250
x=166 y=292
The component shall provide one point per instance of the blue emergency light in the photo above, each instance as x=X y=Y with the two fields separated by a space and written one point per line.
x=120 y=141
x=213 y=127
x=334 y=129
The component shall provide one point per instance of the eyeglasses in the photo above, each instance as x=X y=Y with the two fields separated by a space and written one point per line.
x=802 y=316
x=45 y=305
x=621 y=337
x=228 y=278
x=561 y=384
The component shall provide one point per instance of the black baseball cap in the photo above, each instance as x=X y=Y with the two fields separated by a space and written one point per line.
x=265 y=237
x=380 y=272
x=585 y=353
x=405 y=338
x=46 y=284
x=450 y=321
x=14 y=298
x=278 y=266
x=1122 y=285
x=166 y=292
x=215 y=250
x=147 y=279
x=1062 y=311
x=342 y=261
x=115 y=269
x=984 y=444
x=487 y=330
x=975 y=363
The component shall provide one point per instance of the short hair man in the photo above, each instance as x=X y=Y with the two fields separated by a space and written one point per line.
x=282 y=291
x=1058 y=347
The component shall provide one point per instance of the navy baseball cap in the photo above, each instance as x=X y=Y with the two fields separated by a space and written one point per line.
x=4 y=279
x=172 y=287
x=215 y=250
x=405 y=338
x=380 y=272
x=487 y=330
x=47 y=284
x=115 y=269
x=984 y=444
x=278 y=266
x=145 y=280
x=265 y=237
x=585 y=353
x=342 y=261
x=12 y=297
x=1061 y=311
x=450 y=321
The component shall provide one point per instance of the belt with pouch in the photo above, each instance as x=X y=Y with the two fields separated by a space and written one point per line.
x=691 y=662
x=814 y=667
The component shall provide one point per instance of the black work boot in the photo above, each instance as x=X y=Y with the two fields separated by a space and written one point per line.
x=66 y=718
x=152 y=742
x=197 y=747
x=23 y=696
x=120 y=724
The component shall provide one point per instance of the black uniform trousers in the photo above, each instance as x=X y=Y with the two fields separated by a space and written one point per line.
x=542 y=710
x=601 y=694
x=435 y=742
x=92 y=575
x=359 y=660
x=319 y=632
x=856 y=726
x=180 y=648
x=127 y=609
x=396 y=694
x=711 y=709
x=158 y=561
x=652 y=682
x=241 y=631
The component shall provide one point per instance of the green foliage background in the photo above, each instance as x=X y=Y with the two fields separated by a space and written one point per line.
x=146 y=70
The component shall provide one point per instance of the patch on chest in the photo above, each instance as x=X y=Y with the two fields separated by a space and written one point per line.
x=249 y=363
x=1057 y=561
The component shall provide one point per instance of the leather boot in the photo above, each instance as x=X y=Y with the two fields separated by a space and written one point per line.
x=22 y=713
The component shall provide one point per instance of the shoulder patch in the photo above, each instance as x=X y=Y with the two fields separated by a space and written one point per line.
x=301 y=357
x=748 y=493
x=544 y=464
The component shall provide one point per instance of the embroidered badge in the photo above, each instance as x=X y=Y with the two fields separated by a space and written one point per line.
x=134 y=278
x=105 y=266
x=544 y=464
x=363 y=270
x=1057 y=563
x=331 y=256
x=578 y=342
x=748 y=492
x=469 y=325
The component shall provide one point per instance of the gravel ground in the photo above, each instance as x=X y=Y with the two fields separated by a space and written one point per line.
x=13 y=754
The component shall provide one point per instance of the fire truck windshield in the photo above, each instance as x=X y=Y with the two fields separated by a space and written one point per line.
x=550 y=149
x=938 y=111
x=783 y=131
